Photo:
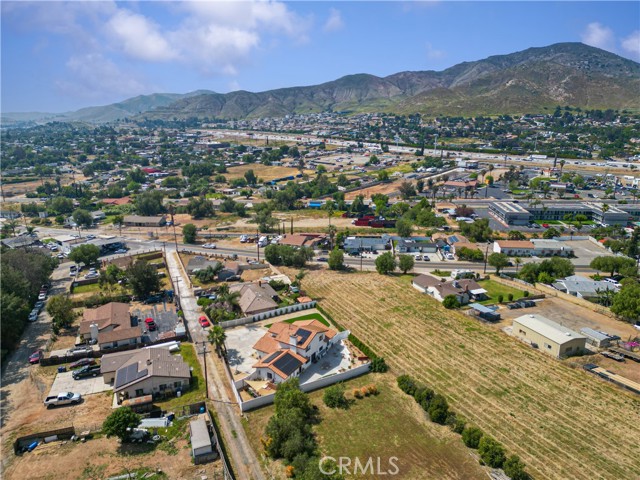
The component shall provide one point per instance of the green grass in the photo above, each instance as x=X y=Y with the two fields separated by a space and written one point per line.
x=310 y=316
x=494 y=289
x=197 y=391
x=92 y=287
x=441 y=273
x=548 y=222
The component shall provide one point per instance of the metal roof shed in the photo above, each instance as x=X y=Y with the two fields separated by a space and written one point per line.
x=200 y=439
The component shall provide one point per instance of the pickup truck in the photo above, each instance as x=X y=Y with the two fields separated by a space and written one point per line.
x=63 y=398
x=86 y=372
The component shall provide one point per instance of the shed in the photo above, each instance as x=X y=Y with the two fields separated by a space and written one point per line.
x=201 y=446
x=485 y=312
x=597 y=338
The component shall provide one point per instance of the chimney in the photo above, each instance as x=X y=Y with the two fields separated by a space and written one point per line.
x=293 y=342
x=93 y=328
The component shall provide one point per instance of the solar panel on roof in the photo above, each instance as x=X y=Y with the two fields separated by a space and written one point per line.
x=129 y=374
x=271 y=357
x=303 y=334
x=287 y=364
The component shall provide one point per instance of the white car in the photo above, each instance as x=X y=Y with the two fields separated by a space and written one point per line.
x=209 y=245
x=42 y=296
x=91 y=275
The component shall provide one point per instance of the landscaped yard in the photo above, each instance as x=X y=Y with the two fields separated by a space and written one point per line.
x=494 y=289
x=386 y=425
x=541 y=409
x=92 y=287
x=310 y=316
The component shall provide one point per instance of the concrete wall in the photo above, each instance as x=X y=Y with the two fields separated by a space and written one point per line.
x=307 y=387
x=270 y=314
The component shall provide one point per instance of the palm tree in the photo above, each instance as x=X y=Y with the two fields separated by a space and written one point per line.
x=217 y=337
x=11 y=225
x=562 y=163
x=518 y=262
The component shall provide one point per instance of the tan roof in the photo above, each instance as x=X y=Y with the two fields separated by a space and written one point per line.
x=515 y=244
x=112 y=314
x=267 y=344
x=255 y=297
x=301 y=239
x=425 y=281
x=119 y=334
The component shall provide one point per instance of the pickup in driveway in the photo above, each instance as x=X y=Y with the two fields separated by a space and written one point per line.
x=86 y=372
x=63 y=398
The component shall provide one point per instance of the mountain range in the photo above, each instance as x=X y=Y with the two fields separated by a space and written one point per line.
x=529 y=81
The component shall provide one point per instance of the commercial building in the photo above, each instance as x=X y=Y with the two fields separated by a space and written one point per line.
x=510 y=213
x=549 y=336
x=514 y=248
x=550 y=248
x=140 y=221
x=583 y=287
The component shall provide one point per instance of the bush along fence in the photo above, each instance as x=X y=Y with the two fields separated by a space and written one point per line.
x=270 y=314
x=491 y=452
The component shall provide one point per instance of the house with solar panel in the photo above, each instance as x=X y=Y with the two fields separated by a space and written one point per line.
x=287 y=349
x=151 y=371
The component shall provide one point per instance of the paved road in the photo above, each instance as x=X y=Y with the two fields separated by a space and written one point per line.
x=244 y=458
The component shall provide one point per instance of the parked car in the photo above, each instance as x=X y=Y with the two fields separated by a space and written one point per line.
x=86 y=371
x=322 y=259
x=83 y=362
x=36 y=356
x=39 y=305
x=426 y=258
x=91 y=275
x=153 y=299
x=418 y=257
x=150 y=323
x=80 y=350
x=90 y=237
x=64 y=398
x=243 y=239
x=42 y=296
x=204 y=322
x=209 y=245
x=33 y=316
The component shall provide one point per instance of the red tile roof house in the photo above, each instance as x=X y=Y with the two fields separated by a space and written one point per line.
x=286 y=350
x=464 y=290
x=303 y=239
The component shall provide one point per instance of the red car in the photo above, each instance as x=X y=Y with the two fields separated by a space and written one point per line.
x=36 y=356
x=151 y=325
x=545 y=225
x=82 y=362
x=204 y=321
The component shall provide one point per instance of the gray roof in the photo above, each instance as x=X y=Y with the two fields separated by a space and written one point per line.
x=199 y=434
x=365 y=242
x=582 y=285
x=200 y=263
x=597 y=335
x=548 y=328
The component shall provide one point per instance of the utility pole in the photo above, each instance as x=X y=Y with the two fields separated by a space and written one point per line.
x=360 y=253
x=206 y=377
x=291 y=225
x=258 y=244
x=486 y=256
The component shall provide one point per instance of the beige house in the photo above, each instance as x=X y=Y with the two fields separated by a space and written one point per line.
x=548 y=336
x=255 y=297
x=142 y=221
x=107 y=318
x=149 y=371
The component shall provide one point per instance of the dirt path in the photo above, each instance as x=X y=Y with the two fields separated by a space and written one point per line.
x=242 y=455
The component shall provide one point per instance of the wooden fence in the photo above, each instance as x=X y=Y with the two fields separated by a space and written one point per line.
x=22 y=442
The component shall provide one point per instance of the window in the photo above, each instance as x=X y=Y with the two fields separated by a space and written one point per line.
x=547 y=346
x=269 y=375
x=177 y=384
x=139 y=392
x=163 y=387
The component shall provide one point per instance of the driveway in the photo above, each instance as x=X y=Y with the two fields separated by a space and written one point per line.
x=164 y=314
x=64 y=382
x=240 y=342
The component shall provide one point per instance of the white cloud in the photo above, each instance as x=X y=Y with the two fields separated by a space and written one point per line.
x=138 y=37
x=433 y=53
x=598 y=35
x=631 y=44
x=334 y=22
x=96 y=77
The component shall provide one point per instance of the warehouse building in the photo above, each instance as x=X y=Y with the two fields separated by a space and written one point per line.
x=549 y=336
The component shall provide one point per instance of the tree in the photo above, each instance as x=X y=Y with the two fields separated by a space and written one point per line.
x=471 y=437
x=200 y=207
x=263 y=217
x=82 y=218
x=451 y=302
x=491 y=452
x=477 y=231
x=514 y=468
x=516 y=235
x=250 y=177
x=404 y=227
x=406 y=263
x=498 y=260
x=626 y=303
x=217 y=337
x=149 y=203
x=143 y=279
x=385 y=263
x=336 y=259
x=333 y=397
x=60 y=307
x=86 y=253
x=120 y=422
x=209 y=274
x=383 y=176
x=118 y=221
x=438 y=409
x=189 y=233
x=611 y=264
x=61 y=205
x=407 y=190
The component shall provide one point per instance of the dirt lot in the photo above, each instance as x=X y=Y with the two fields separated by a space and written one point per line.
x=264 y=172
x=628 y=368
x=571 y=316
x=384 y=188
x=537 y=407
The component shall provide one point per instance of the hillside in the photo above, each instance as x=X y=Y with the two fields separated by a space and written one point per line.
x=528 y=81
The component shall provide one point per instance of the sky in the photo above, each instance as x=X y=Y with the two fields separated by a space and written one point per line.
x=61 y=56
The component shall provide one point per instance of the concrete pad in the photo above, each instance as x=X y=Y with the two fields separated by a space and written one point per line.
x=337 y=358
x=64 y=382
x=239 y=343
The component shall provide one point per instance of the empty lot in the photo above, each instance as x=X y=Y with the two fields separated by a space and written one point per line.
x=537 y=407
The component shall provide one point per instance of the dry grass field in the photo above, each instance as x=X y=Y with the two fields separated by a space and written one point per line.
x=265 y=172
x=563 y=422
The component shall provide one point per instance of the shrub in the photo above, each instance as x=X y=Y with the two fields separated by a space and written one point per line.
x=500 y=298
x=471 y=437
x=334 y=397
x=438 y=409
x=372 y=389
x=204 y=302
x=491 y=452
x=365 y=391
x=526 y=293
x=289 y=471
x=378 y=365
x=450 y=302
x=514 y=468
x=357 y=393
x=407 y=384
x=456 y=422
x=510 y=297
x=423 y=396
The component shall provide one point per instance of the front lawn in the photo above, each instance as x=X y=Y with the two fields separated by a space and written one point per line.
x=92 y=287
x=494 y=289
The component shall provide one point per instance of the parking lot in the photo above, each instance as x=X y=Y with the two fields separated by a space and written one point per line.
x=64 y=382
x=164 y=315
